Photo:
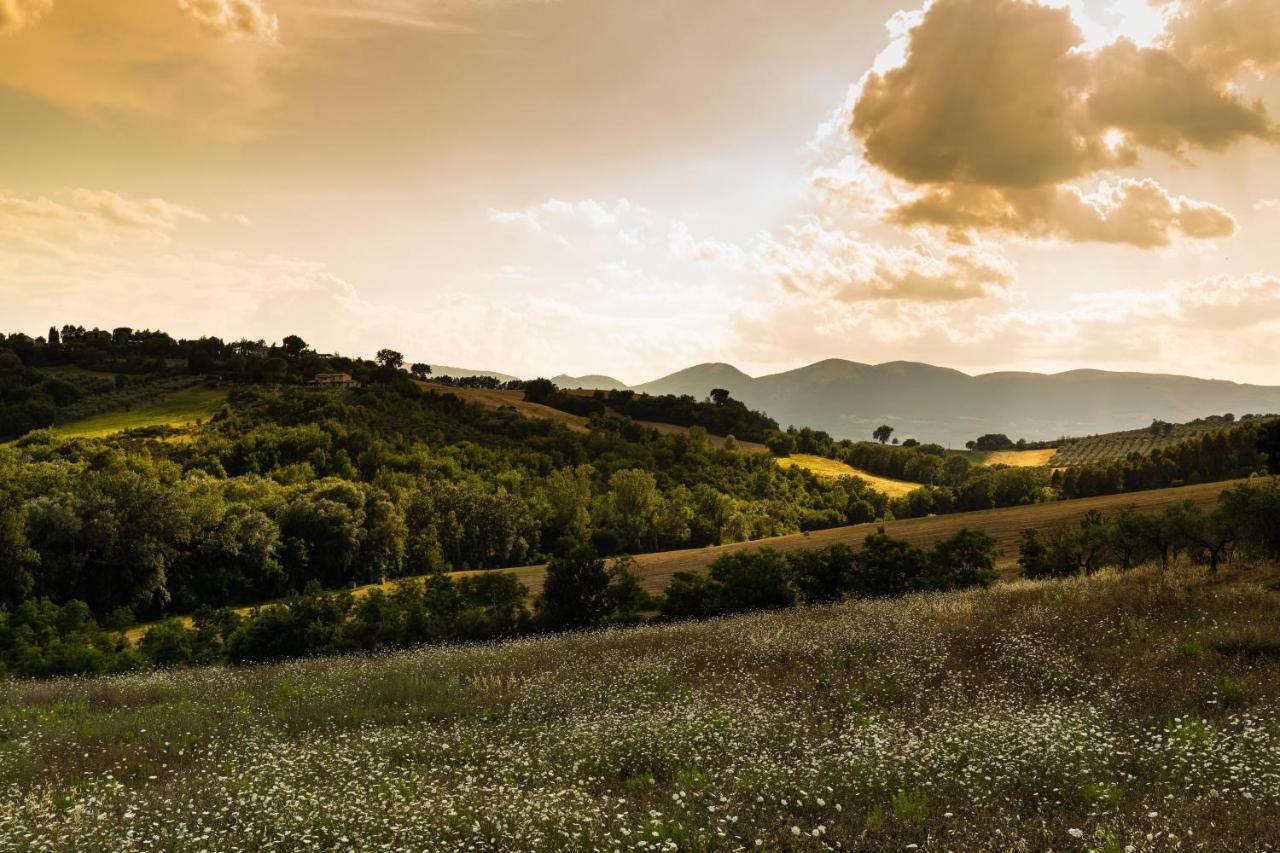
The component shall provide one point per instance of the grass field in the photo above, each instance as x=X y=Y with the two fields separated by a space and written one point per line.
x=825 y=467
x=1120 y=712
x=179 y=409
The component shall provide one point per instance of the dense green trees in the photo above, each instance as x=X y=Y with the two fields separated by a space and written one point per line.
x=574 y=594
x=761 y=578
x=287 y=486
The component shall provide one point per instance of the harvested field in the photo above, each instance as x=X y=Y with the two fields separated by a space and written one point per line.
x=1003 y=525
x=824 y=467
x=1019 y=458
x=494 y=399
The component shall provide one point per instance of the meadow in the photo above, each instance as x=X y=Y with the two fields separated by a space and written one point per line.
x=1119 y=712
x=179 y=409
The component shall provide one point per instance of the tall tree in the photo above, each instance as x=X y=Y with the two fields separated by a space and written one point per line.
x=574 y=594
x=390 y=358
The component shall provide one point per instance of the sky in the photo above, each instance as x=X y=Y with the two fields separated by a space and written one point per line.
x=605 y=186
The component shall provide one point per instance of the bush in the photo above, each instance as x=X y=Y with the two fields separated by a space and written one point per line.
x=966 y=559
x=574 y=592
x=752 y=580
x=888 y=567
x=822 y=575
x=691 y=596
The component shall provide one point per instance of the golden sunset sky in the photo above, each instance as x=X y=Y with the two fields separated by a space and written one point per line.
x=620 y=187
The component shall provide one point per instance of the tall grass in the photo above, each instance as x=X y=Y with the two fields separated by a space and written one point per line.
x=1108 y=713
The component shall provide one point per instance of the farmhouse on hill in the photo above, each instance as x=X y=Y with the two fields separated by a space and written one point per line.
x=334 y=380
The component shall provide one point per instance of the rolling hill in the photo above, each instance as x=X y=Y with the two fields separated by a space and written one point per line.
x=1118 y=445
x=592 y=382
x=849 y=399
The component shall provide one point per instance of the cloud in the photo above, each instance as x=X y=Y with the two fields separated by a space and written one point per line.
x=45 y=227
x=118 y=62
x=1138 y=213
x=234 y=18
x=995 y=107
x=153 y=214
x=818 y=262
x=16 y=14
x=991 y=93
x=1222 y=303
x=1161 y=103
x=1224 y=37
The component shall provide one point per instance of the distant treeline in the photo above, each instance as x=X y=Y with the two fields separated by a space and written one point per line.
x=955 y=484
x=1223 y=455
x=950 y=482
x=40 y=385
x=719 y=414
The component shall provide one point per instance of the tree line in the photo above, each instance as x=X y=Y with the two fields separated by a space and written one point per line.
x=1245 y=521
x=1224 y=455
x=582 y=590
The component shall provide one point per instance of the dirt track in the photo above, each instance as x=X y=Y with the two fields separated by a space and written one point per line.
x=1003 y=525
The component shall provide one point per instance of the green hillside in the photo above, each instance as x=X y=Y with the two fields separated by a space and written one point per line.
x=179 y=409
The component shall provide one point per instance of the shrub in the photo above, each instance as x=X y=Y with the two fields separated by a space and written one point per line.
x=691 y=596
x=752 y=580
x=822 y=575
x=574 y=592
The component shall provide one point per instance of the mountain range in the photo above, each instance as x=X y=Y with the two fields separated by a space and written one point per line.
x=849 y=399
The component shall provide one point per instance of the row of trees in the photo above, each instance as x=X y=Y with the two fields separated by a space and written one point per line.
x=1216 y=456
x=718 y=414
x=763 y=578
x=581 y=590
x=1245 y=520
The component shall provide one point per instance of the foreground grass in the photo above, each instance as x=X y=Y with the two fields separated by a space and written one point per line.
x=176 y=410
x=1134 y=712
